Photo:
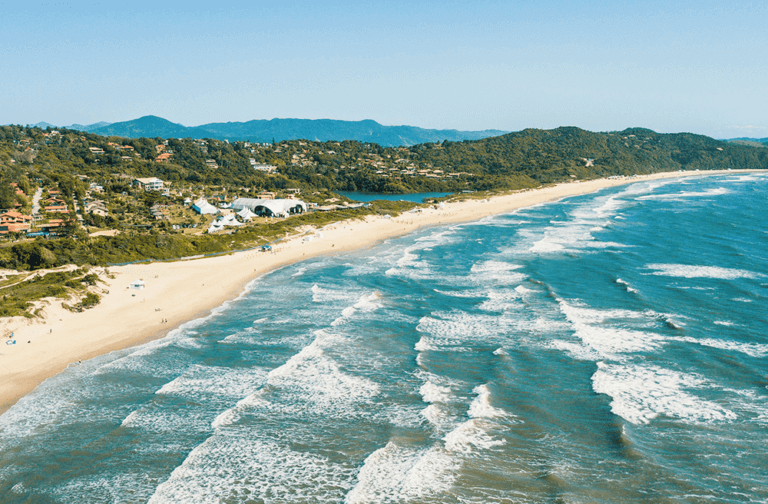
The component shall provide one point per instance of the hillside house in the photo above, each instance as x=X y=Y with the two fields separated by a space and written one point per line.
x=14 y=222
x=148 y=184
x=55 y=205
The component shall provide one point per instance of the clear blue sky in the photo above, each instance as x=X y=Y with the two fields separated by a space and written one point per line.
x=698 y=66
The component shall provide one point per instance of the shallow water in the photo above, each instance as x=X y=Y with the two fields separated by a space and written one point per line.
x=606 y=348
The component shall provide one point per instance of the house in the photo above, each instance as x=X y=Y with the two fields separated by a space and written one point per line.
x=96 y=150
x=264 y=167
x=148 y=184
x=52 y=223
x=14 y=222
x=97 y=207
x=211 y=163
x=164 y=157
x=55 y=205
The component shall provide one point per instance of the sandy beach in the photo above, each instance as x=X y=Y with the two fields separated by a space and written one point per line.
x=179 y=291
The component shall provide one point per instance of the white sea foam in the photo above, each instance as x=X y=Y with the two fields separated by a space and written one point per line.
x=626 y=285
x=313 y=377
x=450 y=330
x=609 y=341
x=469 y=436
x=321 y=295
x=481 y=406
x=242 y=468
x=726 y=323
x=523 y=291
x=577 y=351
x=686 y=194
x=215 y=381
x=463 y=293
x=641 y=393
x=500 y=301
x=500 y=351
x=400 y=474
x=432 y=393
x=688 y=271
x=299 y=272
x=424 y=344
x=435 y=415
x=498 y=271
x=757 y=350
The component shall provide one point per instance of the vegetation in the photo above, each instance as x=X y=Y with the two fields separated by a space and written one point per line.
x=18 y=299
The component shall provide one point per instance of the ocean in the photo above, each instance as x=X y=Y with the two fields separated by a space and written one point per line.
x=611 y=347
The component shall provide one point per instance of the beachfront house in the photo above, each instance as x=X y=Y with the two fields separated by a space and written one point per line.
x=270 y=207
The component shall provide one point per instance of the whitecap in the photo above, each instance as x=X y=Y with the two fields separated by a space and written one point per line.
x=641 y=393
x=481 y=406
x=691 y=271
x=469 y=436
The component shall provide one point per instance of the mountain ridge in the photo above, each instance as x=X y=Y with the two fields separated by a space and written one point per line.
x=279 y=129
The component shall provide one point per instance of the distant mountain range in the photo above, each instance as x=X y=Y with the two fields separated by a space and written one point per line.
x=755 y=142
x=262 y=130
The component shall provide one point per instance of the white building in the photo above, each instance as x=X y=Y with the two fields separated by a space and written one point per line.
x=270 y=207
x=148 y=184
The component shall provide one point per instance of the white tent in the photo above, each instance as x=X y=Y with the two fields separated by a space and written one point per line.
x=271 y=207
x=137 y=284
x=215 y=228
x=203 y=207
x=246 y=214
x=228 y=220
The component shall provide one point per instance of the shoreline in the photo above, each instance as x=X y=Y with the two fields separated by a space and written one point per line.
x=184 y=290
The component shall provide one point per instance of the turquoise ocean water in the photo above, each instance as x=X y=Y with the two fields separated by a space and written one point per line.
x=606 y=348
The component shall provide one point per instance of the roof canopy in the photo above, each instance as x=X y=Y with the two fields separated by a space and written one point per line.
x=203 y=207
x=271 y=207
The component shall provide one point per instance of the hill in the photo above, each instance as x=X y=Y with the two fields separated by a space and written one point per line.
x=262 y=130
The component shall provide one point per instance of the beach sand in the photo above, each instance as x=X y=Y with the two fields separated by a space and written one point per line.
x=179 y=291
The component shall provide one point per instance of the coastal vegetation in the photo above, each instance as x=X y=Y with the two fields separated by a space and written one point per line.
x=23 y=297
x=84 y=186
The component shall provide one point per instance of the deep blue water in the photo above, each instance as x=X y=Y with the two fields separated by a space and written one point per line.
x=607 y=348
x=414 y=197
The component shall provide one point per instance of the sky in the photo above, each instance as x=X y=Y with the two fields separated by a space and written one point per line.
x=671 y=66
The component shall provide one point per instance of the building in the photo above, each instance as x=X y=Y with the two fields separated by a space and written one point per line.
x=55 y=205
x=148 y=184
x=270 y=207
x=14 y=222
x=97 y=207
x=165 y=157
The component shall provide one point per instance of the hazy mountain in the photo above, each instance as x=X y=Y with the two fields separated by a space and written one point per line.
x=754 y=142
x=89 y=127
x=290 y=129
x=43 y=125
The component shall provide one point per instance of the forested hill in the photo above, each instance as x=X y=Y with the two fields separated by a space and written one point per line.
x=524 y=159
x=320 y=130
x=569 y=152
